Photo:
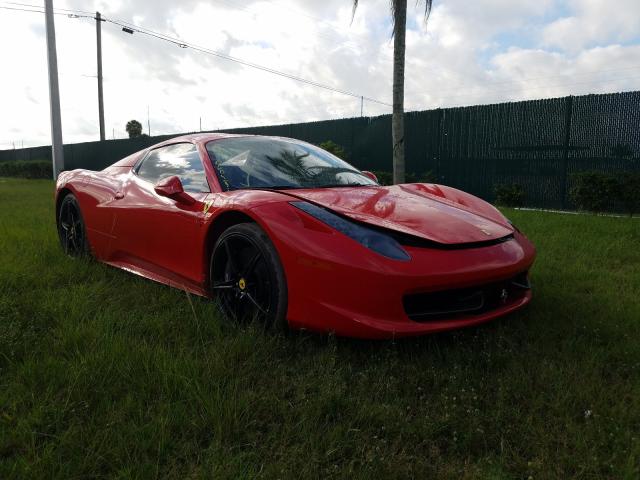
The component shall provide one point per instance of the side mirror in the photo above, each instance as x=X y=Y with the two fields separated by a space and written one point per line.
x=171 y=187
x=371 y=175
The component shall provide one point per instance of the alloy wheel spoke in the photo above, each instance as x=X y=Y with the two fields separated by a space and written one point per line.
x=250 y=267
x=255 y=303
x=237 y=280
x=230 y=260
x=79 y=236
x=224 y=285
x=71 y=229
x=74 y=243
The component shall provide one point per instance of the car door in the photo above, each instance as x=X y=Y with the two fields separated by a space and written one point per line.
x=156 y=233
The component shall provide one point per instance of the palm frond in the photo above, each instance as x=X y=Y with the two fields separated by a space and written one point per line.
x=427 y=8
x=428 y=4
x=392 y=7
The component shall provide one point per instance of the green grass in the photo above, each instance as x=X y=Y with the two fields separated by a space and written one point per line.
x=104 y=374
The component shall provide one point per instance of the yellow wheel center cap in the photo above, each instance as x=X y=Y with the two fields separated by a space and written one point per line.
x=242 y=284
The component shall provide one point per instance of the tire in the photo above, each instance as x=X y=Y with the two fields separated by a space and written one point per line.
x=72 y=232
x=247 y=278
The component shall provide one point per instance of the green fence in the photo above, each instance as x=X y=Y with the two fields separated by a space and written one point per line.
x=537 y=144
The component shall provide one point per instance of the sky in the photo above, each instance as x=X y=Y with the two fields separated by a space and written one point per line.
x=468 y=53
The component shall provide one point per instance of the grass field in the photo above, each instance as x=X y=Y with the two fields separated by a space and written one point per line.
x=106 y=374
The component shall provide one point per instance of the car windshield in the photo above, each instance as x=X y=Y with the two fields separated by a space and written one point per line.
x=279 y=163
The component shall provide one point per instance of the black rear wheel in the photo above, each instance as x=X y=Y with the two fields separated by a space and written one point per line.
x=247 y=277
x=71 y=228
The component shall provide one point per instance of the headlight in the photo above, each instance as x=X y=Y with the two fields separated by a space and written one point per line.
x=514 y=227
x=373 y=240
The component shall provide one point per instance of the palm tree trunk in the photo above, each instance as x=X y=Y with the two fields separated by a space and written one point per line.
x=397 y=119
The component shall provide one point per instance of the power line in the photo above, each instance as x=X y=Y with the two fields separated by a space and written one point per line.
x=42 y=7
x=35 y=7
x=184 y=44
x=17 y=9
x=231 y=3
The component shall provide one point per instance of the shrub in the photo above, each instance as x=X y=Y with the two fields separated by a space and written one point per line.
x=332 y=147
x=386 y=178
x=629 y=192
x=593 y=191
x=425 y=177
x=26 y=169
x=511 y=195
x=622 y=150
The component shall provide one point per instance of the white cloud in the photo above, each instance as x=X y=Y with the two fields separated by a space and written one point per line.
x=472 y=52
x=594 y=23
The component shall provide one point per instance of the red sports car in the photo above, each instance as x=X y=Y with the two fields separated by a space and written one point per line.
x=282 y=231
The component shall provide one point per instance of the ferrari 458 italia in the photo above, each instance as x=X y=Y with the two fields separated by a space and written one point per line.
x=281 y=231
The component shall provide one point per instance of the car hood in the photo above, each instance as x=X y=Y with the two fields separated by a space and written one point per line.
x=411 y=210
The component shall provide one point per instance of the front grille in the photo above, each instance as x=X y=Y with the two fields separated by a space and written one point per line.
x=451 y=304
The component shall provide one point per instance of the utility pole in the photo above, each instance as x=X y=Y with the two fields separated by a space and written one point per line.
x=57 y=154
x=148 y=122
x=99 y=49
x=361 y=105
x=200 y=123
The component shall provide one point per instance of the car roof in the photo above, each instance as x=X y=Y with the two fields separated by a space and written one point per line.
x=202 y=137
x=199 y=137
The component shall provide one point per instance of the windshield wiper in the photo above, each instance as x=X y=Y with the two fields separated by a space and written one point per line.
x=342 y=185
x=301 y=187
x=270 y=187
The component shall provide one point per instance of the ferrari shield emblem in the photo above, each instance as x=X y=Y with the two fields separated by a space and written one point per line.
x=504 y=295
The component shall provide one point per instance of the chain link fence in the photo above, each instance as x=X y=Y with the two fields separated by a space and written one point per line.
x=537 y=145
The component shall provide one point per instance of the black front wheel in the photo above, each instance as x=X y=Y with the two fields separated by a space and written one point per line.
x=71 y=229
x=247 y=277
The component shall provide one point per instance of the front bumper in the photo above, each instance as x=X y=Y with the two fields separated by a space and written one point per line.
x=350 y=324
x=337 y=285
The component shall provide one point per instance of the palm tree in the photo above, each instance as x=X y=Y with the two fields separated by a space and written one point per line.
x=399 y=16
x=134 y=128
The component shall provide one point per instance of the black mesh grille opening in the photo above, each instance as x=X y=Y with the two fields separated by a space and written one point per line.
x=451 y=304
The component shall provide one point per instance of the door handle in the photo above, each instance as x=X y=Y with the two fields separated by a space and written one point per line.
x=118 y=195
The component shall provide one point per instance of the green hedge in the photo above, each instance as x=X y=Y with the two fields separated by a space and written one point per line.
x=386 y=178
x=601 y=192
x=332 y=147
x=511 y=195
x=26 y=169
x=629 y=193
